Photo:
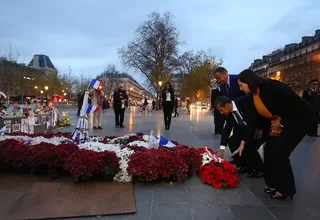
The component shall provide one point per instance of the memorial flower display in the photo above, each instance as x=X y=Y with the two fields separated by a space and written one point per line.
x=215 y=171
x=130 y=157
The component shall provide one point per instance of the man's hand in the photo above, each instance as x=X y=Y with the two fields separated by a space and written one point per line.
x=220 y=154
x=258 y=133
x=240 y=149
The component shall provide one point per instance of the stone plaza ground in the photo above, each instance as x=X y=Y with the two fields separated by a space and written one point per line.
x=193 y=200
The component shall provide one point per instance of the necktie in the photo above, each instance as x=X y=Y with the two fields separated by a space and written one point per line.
x=239 y=119
x=227 y=89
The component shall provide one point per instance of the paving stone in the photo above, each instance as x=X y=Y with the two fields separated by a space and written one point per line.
x=299 y=213
x=170 y=211
x=251 y=213
x=165 y=192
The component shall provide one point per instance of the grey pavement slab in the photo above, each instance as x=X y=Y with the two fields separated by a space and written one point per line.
x=193 y=200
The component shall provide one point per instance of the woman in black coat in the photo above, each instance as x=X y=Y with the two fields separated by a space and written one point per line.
x=289 y=116
x=167 y=96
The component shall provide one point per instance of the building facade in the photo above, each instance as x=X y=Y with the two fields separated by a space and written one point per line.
x=135 y=91
x=296 y=63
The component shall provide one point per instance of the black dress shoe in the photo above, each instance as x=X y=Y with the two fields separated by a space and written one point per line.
x=270 y=191
x=242 y=170
x=122 y=126
x=100 y=127
x=255 y=174
x=279 y=197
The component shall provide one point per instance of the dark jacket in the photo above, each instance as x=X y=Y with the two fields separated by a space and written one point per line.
x=164 y=96
x=313 y=97
x=234 y=91
x=249 y=115
x=281 y=100
x=117 y=97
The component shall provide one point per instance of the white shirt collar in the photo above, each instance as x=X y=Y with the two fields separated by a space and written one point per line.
x=234 y=107
x=228 y=81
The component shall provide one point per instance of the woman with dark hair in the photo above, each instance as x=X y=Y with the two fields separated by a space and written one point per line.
x=289 y=116
x=167 y=96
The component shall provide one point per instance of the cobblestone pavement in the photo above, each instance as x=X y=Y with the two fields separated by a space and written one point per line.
x=192 y=200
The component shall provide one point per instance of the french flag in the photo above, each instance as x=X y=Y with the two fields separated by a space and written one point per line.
x=92 y=108
x=164 y=142
x=96 y=84
x=3 y=128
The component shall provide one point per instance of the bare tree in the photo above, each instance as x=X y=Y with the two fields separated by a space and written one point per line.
x=154 y=51
x=111 y=79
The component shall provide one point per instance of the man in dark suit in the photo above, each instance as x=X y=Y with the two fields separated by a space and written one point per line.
x=217 y=117
x=228 y=84
x=241 y=118
x=312 y=95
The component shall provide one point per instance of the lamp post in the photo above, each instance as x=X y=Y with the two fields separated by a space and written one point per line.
x=36 y=88
x=41 y=97
x=46 y=88
x=158 y=93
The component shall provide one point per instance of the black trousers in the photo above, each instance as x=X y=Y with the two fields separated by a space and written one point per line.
x=176 y=111
x=253 y=158
x=119 y=116
x=234 y=143
x=167 y=113
x=278 y=172
x=219 y=121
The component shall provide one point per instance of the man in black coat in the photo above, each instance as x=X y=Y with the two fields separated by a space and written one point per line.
x=241 y=118
x=312 y=95
x=120 y=101
x=217 y=117
x=228 y=86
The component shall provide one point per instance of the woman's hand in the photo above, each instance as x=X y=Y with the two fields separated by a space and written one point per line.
x=276 y=125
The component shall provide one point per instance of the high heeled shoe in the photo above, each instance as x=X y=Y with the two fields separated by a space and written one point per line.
x=270 y=191
x=280 y=197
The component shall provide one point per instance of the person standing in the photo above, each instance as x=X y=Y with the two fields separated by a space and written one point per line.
x=167 y=96
x=312 y=95
x=227 y=83
x=218 y=118
x=188 y=103
x=97 y=97
x=120 y=101
x=80 y=97
x=176 y=105
x=289 y=116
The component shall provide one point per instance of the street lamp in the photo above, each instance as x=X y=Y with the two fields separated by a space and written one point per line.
x=36 y=88
x=159 y=97
x=46 y=88
x=41 y=96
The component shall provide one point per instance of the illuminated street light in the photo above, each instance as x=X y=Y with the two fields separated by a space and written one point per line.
x=46 y=88
x=160 y=83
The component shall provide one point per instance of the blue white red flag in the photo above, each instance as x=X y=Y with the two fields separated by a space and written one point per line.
x=92 y=108
x=3 y=128
x=164 y=142
x=96 y=84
